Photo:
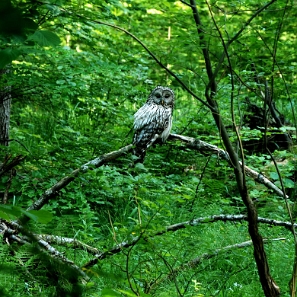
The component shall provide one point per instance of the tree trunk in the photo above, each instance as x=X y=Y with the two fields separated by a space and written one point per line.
x=5 y=103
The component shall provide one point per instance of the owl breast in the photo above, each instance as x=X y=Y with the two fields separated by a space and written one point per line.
x=156 y=116
x=153 y=120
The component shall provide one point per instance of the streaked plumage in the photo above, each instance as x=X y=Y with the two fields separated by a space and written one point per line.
x=153 y=120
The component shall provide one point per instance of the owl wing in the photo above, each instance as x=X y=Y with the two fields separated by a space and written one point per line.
x=151 y=122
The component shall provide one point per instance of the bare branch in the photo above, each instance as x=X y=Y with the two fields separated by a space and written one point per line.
x=10 y=163
x=54 y=190
x=97 y=162
x=172 y=228
x=195 y=262
x=225 y=218
x=191 y=143
x=142 y=44
x=247 y=23
x=9 y=229
x=205 y=147
x=43 y=246
x=68 y=241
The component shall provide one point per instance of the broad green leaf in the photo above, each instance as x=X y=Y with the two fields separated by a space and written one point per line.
x=43 y=216
x=273 y=175
x=4 y=215
x=288 y=183
x=40 y=216
x=7 y=56
x=11 y=210
x=60 y=82
x=45 y=38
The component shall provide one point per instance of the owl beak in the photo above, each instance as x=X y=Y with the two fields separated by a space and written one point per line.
x=162 y=102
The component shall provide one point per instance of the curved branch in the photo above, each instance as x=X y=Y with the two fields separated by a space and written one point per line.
x=206 y=256
x=8 y=230
x=172 y=228
x=54 y=190
x=68 y=241
x=192 y=143
x=205 y=147
x=156 y=59
x=249 y=21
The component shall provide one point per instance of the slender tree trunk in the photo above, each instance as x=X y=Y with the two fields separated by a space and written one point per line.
x=5 y=103
x=269 y=286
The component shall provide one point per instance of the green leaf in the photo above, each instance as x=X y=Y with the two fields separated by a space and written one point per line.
x=45 y=38
x=60 y=82
x=140 y=167
x=7 y=56
x=288 y=183
x=11 y=210
x=4 y=215
x=273 y=175
x=40 y=216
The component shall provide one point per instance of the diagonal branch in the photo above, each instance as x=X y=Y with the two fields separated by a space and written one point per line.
x=196 y=261
x=9 y=163
x=192 y=143
x=268 y=284
x=205 y=147
x=8 y=231
x=182 y=225
x=54 y=190
x=60 y=240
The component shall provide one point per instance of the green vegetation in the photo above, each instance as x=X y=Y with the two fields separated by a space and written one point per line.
x=76 y=72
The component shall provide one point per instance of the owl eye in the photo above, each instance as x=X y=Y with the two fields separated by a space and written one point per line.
x=158 y=95
x=167 y=95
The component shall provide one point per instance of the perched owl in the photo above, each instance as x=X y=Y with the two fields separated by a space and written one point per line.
x=153 y=120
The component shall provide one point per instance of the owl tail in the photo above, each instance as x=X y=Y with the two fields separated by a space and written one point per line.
x=140 y=154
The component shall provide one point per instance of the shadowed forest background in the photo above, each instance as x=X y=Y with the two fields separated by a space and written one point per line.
x=211 y=212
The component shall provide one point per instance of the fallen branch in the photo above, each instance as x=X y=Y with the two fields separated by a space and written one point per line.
x=54 y=190
x=205 y=147
x=115 y=250
x=8 y=233
x=55 y=254
x=195 y=222
x=192 y=143
x=224 y=218
x=10 y=230
x=69 y=241
x=196 y=261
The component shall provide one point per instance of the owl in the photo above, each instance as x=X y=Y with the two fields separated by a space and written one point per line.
x=153 y=121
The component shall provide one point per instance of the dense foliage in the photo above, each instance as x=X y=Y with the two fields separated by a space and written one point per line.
x=77 y=71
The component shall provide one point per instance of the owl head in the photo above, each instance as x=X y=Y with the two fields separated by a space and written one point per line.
x=162 y=96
